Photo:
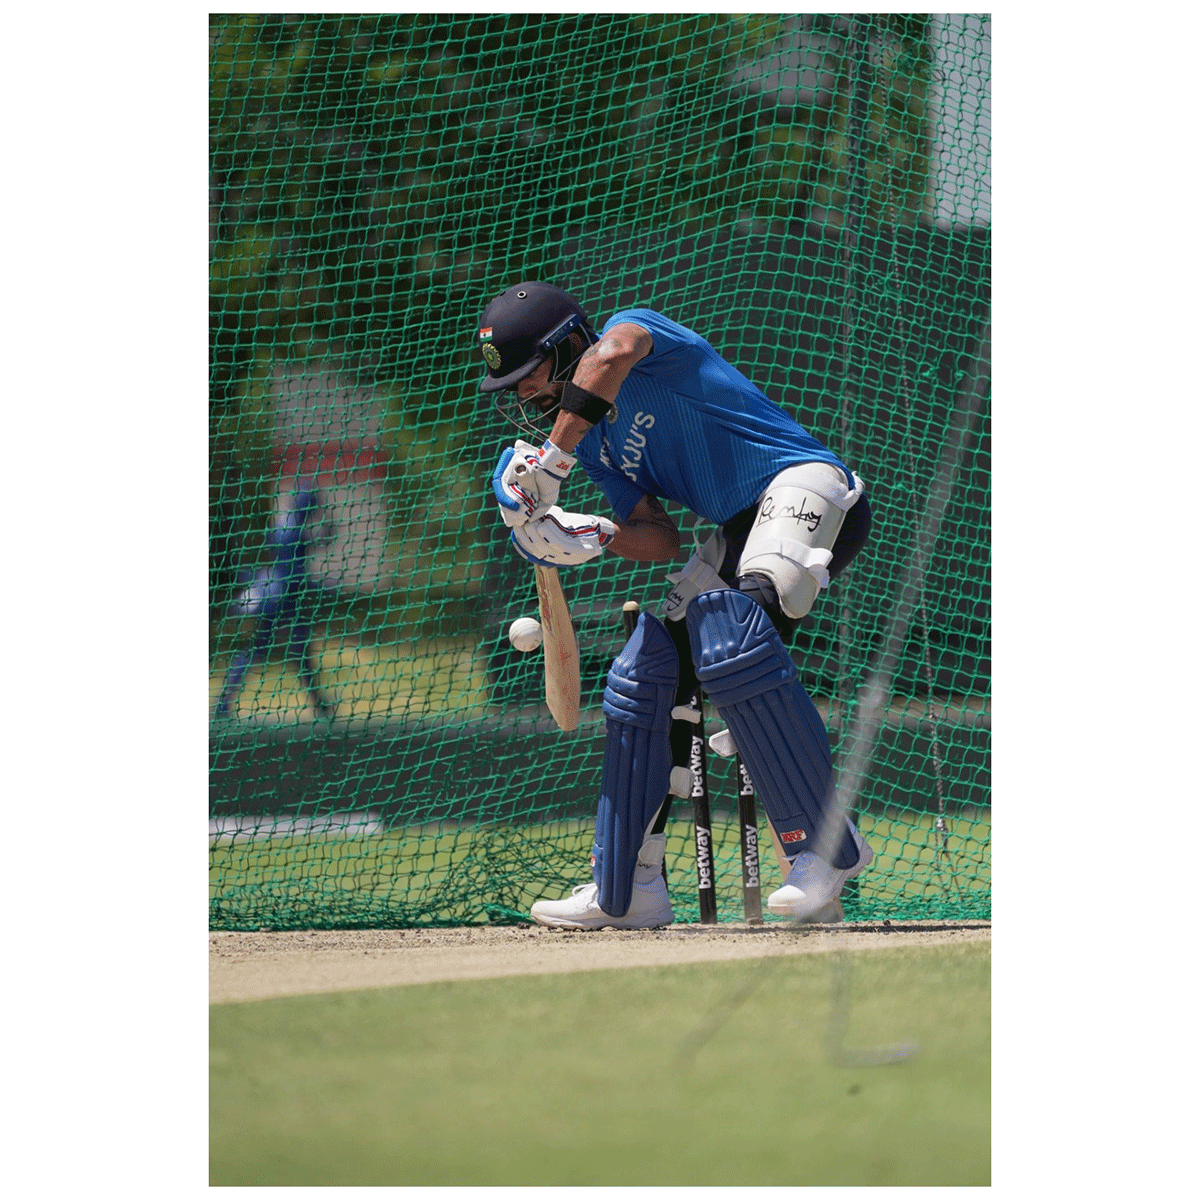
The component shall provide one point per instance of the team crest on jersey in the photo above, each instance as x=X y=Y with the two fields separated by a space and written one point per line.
x=612 y=413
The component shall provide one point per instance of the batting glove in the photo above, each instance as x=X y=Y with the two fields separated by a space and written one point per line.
x=526 y=480
x=562 y=539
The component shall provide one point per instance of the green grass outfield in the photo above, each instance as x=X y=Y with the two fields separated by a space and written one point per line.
x=710 y=1074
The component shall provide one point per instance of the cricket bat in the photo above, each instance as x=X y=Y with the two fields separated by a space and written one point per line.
x=560 y=648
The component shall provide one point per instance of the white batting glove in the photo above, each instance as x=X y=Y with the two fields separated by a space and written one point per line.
x=526 y=480
x=562 y=539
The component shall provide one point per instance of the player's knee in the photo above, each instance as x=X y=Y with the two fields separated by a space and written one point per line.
x=794 y=573
x=762 y=590
x=643 y=678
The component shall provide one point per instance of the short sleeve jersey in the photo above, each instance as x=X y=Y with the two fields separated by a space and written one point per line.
x=689 y=427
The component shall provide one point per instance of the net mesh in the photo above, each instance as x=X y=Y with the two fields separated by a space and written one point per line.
x=810 y=192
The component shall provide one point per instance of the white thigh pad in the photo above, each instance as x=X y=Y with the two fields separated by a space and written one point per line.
x=791 y=541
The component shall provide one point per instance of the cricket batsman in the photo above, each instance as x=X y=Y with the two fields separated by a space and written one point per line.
x=654 y=413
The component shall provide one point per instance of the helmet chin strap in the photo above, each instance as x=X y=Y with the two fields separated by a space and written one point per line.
x=522 y=417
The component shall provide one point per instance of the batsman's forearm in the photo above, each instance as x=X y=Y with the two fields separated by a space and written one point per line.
x=569 y=430
x=601 y=370
x=645 y=541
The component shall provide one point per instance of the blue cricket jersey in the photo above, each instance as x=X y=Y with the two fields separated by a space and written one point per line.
x=689 y=427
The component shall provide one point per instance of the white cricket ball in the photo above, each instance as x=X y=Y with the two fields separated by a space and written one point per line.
x=526 y=634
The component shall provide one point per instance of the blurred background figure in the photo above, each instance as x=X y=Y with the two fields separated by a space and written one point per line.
x=277 y=598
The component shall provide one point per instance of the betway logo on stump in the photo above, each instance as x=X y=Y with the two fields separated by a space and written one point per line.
x=704 y=876
x=697 y=766
x=750 y=861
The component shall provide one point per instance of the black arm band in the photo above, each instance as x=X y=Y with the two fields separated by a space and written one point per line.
x=583 y=403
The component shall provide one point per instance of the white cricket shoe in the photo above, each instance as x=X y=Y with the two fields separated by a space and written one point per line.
x=810 y=891
x=649 y=908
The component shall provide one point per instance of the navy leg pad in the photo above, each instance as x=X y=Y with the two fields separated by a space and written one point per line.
x=637 y=757
x=750 y=678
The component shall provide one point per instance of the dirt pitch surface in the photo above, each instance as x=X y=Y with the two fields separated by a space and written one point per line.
x=257 y=966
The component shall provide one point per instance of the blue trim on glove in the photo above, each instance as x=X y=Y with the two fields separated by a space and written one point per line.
x=502 y=497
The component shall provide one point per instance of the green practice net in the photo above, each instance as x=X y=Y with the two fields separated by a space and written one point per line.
x=812 y=194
